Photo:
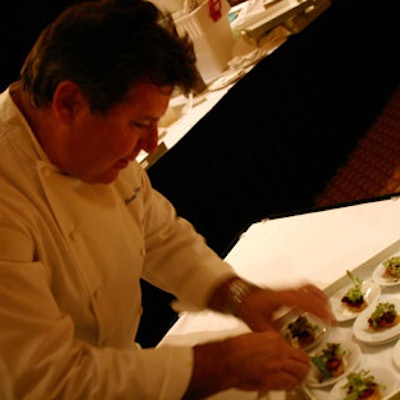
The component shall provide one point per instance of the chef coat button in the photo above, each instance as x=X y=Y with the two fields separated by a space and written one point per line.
x=73 y=235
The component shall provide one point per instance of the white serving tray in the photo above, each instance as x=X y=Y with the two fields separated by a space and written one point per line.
x=372 y=354
x=365 y=270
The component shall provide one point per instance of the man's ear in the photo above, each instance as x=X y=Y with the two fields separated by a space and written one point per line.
x=68 y=101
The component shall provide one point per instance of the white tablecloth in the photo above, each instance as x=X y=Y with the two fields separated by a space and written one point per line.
x=318 y=247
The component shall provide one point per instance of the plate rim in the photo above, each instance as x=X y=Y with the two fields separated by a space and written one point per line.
x=396 y=349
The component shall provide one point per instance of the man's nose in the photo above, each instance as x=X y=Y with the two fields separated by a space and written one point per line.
x=150 y=141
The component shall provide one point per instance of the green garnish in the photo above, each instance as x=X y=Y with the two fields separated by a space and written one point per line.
x=354 y=294
x=358 y=383
x=382 y=310
x=392 y=266
x=326 y=358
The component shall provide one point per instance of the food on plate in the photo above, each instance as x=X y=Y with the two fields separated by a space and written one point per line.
x=384 y=316
x=329 y=361
x=362 y=386
x=392 y=268
x=354 y=297
x=301 y=332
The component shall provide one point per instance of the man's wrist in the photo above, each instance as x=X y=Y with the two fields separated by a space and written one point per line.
x=237 y=290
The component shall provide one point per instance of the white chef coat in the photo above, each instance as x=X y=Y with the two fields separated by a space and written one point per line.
x=71 y=255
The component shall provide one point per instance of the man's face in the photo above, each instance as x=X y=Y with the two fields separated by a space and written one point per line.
x=99 y=146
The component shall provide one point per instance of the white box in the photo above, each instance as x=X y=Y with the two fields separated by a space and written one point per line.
x=169 y=5
x=213 y=40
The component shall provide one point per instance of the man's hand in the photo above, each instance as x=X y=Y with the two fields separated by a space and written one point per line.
x=258 y=307
x=254 y=361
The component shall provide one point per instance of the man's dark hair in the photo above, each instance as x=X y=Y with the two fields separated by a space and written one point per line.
x=105 y=47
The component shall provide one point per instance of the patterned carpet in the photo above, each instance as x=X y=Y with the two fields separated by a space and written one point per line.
x=373 y=168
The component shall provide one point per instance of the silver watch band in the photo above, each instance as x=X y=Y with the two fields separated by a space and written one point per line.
x=238 y=289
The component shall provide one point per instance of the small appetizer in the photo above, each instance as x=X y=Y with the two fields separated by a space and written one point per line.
x=301 y=332
x=354 y=297
x=384 y=316
x=392 y=268
x=362 y=386
x=329 y=361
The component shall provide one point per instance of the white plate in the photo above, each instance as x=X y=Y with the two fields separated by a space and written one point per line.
x=226 y=79
x=351 y=360
x=396 y=354
x=365 y=334
x=378 y=275
x=321 y=331
x=383 y=376
x=371 y=291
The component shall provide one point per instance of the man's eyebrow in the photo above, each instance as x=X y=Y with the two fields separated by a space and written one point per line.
x=147 y=119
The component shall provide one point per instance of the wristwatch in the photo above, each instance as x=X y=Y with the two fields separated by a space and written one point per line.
x=237 y=289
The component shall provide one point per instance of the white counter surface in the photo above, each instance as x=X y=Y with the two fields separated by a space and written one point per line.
x=318 y=247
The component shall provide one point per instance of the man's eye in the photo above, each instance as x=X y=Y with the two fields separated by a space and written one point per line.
x=139 y=125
